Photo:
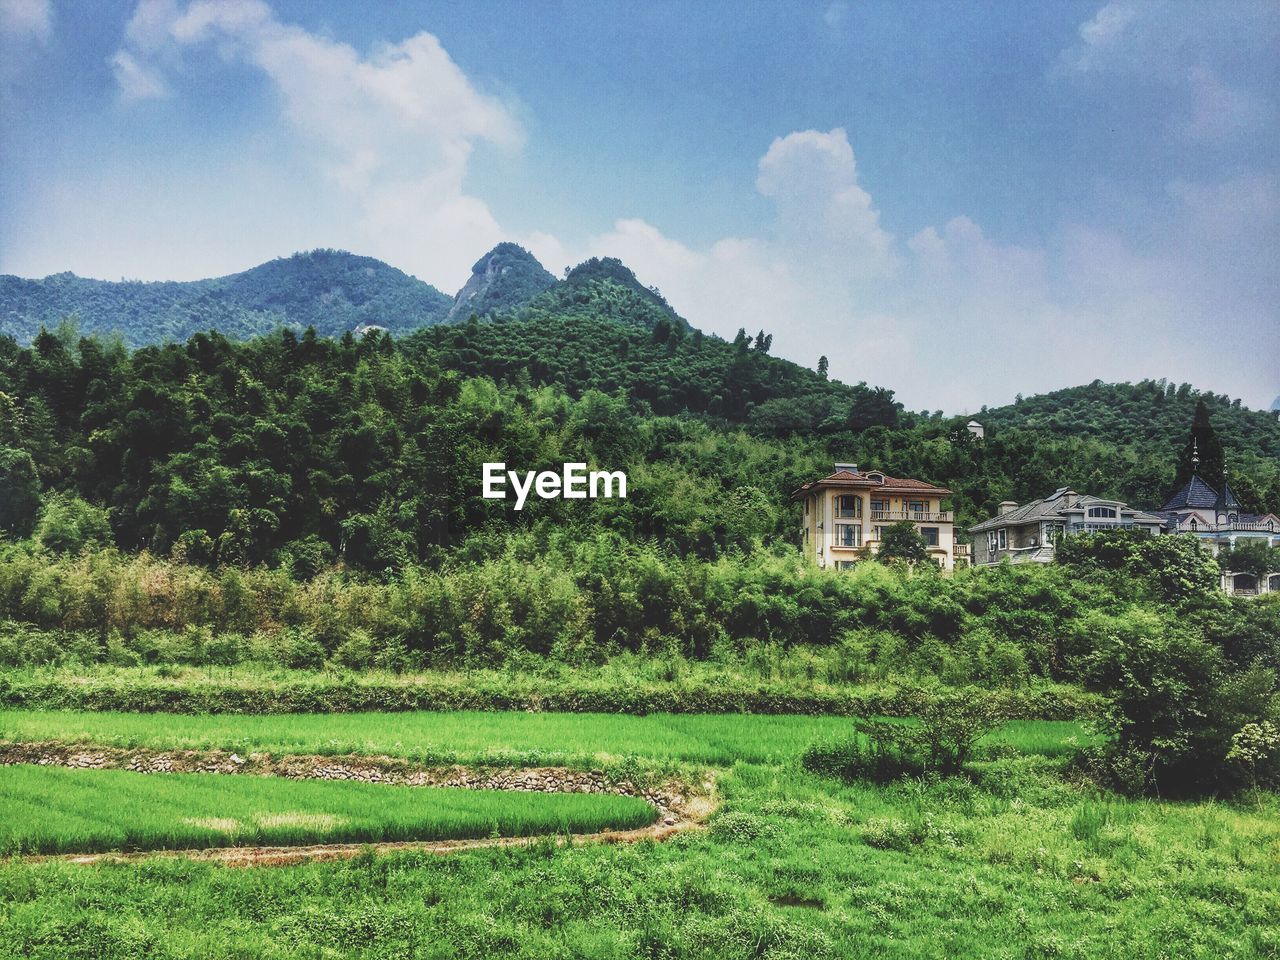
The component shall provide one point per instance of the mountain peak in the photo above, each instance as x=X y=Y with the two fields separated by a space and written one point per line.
x=506 y=277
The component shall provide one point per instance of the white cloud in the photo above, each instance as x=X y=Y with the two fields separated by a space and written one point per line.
x=1100 y=35
x=812 y=179
x=1218 y=111
x=26 y=19
x=136 y=80
x=395 y=127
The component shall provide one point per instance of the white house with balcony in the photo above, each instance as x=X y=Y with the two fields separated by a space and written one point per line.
x=1028 y=533
x=846 y=513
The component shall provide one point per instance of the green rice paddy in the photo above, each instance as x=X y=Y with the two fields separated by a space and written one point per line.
x=473 y=736
x=56 y=810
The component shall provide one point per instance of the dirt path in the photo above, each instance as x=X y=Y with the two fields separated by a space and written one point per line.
x=286 y=856
x=678 y=806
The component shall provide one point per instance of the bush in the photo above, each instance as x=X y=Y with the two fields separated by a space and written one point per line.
x=1174 y=707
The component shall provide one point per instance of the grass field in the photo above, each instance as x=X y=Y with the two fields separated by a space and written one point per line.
x=53 y=810
x=473 y=736
x=1020 y=865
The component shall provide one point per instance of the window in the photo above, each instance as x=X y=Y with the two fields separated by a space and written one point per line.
x=806 y=506
x=846 y=564
x=1194 y=525
x=930 y=535
x=877 y=533
x=917 y=506
x=991 y=542
x=1003 y=539
x=848 y=534
x=1103 y=512
x=847 y=505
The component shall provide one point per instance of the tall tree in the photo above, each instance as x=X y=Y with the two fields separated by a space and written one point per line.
x=1203 y=452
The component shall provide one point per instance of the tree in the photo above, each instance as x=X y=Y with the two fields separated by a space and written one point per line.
x=68 y=525
x=1253 y=556
x=822 y=367
x=1173 y=706
x=901 y=541
x=1203 y=453
x=19 y=491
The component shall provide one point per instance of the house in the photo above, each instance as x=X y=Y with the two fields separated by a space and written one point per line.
x=977 y=429
x=846 y=512
x=1215 y=517
x=1028 y=533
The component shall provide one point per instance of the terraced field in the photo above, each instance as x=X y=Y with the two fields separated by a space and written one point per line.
x=474 y=736
x=56 y=810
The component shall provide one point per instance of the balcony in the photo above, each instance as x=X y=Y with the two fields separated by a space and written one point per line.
x=917 y=516
x=960 y=549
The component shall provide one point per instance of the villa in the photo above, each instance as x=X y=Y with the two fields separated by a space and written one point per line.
x=1028 y=533
x=845 y=515
x=1214 y=516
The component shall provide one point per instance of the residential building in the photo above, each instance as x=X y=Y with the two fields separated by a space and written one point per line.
x=1215 y=517
x=1027 y=533
x=845 y=515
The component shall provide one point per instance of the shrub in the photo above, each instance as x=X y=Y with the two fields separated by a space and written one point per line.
x=1174 y=707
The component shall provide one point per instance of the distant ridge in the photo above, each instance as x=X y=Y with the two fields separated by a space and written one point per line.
x=331 y=290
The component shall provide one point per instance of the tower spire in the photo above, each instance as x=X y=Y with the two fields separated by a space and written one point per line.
x=1195 y=454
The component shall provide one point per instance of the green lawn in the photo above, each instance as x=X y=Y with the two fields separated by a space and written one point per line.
x=470 y=736
x=55 y=810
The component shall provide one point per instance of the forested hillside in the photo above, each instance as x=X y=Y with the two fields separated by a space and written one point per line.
x=1152 y=419
x=305 y=450
x=330 y=290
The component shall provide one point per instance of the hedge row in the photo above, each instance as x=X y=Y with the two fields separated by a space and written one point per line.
x=349 y=694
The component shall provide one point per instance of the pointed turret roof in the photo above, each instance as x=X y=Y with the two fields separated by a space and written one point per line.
x=1195 y=494
x=1226 y=499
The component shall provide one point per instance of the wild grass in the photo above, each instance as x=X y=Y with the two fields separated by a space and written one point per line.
x=485 y=736
x=1017 y=863
x=55 y=810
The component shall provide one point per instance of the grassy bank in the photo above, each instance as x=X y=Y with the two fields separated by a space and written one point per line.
x=475 y=737
x=54 y=810
x=680 y=688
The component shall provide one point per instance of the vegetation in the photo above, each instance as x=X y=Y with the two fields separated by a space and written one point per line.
x=531 y=739
x=330 y=290
x=1012 y=860
x=506 y=277
x=54 y=810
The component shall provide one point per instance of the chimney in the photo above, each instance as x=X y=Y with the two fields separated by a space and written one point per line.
x=851 y=467
x=1006 y=506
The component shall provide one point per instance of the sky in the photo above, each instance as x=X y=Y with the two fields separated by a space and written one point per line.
x=961 y=202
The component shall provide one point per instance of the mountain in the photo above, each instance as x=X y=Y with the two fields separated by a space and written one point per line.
x=332 y=290
x=606 y=288
x=506 y=277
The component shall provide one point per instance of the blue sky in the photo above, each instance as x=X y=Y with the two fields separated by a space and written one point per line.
x=960 y=202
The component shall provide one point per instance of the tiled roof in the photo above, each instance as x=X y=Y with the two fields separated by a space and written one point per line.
x=862 y=480
x=1054 y=507
x=1195 y=494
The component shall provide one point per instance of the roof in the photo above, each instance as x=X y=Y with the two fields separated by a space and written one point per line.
x=862 y=480
x=1055 y=507
x=1195 y=494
